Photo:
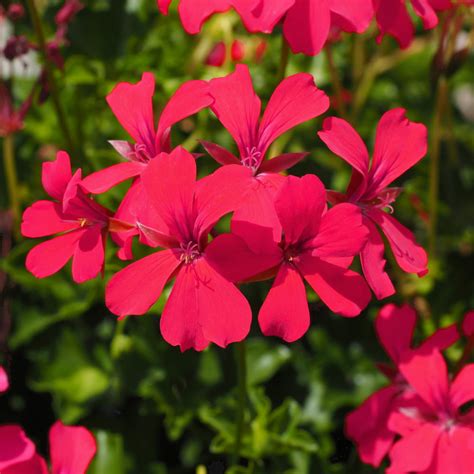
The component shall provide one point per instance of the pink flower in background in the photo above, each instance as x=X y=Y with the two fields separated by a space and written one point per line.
x=294 y=101
x=216 y=56
x=237 y=51
x=3 y=380
x=82 y=224
x=203 y=306
x=468 y=324
x=316 y=245
x=72 y=449
x=436 y=435
x=394 y=19
x=395 y=327
x=399 y=145
x=10 y=120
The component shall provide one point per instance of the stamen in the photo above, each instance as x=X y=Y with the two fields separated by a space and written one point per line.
x=252 y=160
x=140 y=153
x=190 y=252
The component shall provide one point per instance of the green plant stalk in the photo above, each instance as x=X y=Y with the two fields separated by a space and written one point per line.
x=241 y=361
x=284 y=57
x=61 y=116
x=336 y=82
x=11 y=177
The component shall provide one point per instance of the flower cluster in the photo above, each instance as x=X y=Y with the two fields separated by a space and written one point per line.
x=281 y=226
x=423 y=419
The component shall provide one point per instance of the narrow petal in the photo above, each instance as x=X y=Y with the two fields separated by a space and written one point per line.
x=395 y=326
x=16 y=447
x=343 y=291
x=56 y=175
x=373 y=439
x=306 y=26
x=281 y=163
x=220 y=154
x=88 y=258
x=294 y=101
x=468 y=323
x=72 y=448
x=441 y=339
x=393 y=19
x=194 y=13
x=105 y=179
x=399 y=145
x=135 y=289
x=300 y=204
x=285 y=311
x=462 y=387
x=190 y=98
x=237 y=107
x=44 y=218
x=49 y=257
x=132 y=104
x=3 y=380
x=353 y=17
x=261 y=16
x=373 y=263
x=409 y=255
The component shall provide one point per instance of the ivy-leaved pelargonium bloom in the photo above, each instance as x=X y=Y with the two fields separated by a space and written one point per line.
x=203 y=306
x=394 y=327
x=82 y=225
x=294 y=101
x=315 y=245
x=399 y=145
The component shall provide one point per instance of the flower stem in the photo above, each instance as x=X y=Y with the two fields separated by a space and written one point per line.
x=241 y=361
x=336 y=82
x=49 y=68
x=11 y=177
x=284 y=57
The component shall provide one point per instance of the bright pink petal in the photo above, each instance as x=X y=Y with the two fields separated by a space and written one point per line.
x=306 y=26
x=72 y=448
x=341 y=232
x=44 y=218
x=3 y=380
x=88 y=258
x=455 y=452
x=263 y=15
x=343 y=291
x=281 y=162
x=294 y=101
x=393 y=19
x=468 y=323
x=56 y=175
x=399 y=145
x=189 y=99
x=220 y=154
x=135 y=289
x=103 y=180
x=194 y=13
x=395 y=326
x=15 y=446
x=341 y=138
x=50 y=256
x=34 y=465
x=237 y=107
x=163 y=6
x=462 y=387
x=441 y=339
x=300 y=204
x=353 y=17
x=285 y=311
x=409 y=255
x=373 y=439
x=132 y=104
x=426 y=12
x=414 y=452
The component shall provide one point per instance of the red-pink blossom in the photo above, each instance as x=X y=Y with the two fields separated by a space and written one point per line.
x=10 y=120
x=82 y=225
x=237 y=51
x=3 y=380
x=294 y=101
x=314 y=245
x=203 y=306
x=68 y=11
x=399 y=145
x=468 y=323
x=216 y=56
x=394 y=19
x=437 y=437
x=394 y=326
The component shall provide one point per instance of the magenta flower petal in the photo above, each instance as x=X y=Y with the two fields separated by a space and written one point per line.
x=468 y=324
x=426 y=12
x=353 y=17
x=194 y=13
x=220 y=154
x=163 y=6
x=393 y=19
x=281 y=162
x=56 y=175
x=261 y=16
x=72 y=449
x=462 y=387
x=16 y=447
x=4 y=384
x=88 y=258
x=441 y=339
x=44 y=218
x=455 y=451
x=135 y=289
x=285 y=312
x=35 y=465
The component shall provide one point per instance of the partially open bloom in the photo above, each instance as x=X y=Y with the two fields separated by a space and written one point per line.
x=72 y=449
x=393 y=17
x=294 y=101
x=82 y=225
x=394 y=326
x=315 y=245
x=3 y=380
x=399 y=145
x=203 y=306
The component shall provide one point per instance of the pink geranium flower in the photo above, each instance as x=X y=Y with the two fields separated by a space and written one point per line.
x=82 y=223
x=72 y=449
x=295 y=100
x=394 y=326
x=316 y=246
x=436 y=435
x=3 y=380
x=393 y=17
x=399 y=145
x=203 y=306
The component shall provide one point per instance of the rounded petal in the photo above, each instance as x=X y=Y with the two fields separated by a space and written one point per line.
x=88 y=258
x=16 y=447
x=353 y=17
x=34 y=465
x=44 y=218
x=393 y=19
x=261 y=16
x=462 y=387
x=56 y=175
x=194 y=13
x=468 y=324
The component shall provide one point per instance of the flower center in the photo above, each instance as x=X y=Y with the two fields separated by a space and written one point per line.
x=140 y=153
x=189 y=252
x=252 y=159
x=290 y=253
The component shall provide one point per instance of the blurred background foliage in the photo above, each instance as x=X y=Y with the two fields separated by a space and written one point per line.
x=153 y=409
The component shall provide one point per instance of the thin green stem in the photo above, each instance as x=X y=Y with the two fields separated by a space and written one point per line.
x=336 y=82
x=284 y=57
x=49 y=67
x=11 y=177
x=241 y=361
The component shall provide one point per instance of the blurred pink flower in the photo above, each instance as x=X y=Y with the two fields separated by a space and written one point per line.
x=216 y=56
x=10 y=120
x=3 y=380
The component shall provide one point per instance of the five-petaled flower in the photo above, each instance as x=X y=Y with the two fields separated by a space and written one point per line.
x=399 y=145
